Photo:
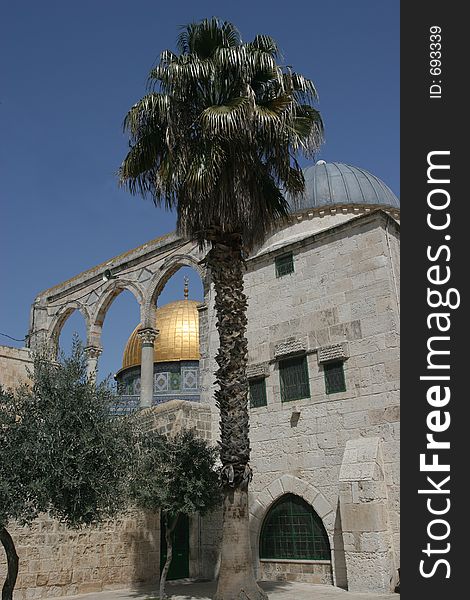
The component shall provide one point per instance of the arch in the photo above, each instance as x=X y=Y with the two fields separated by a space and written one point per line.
x=108 y=295
x=59 y=319
x=292 y=530
x=288 y=484
x=167 y=269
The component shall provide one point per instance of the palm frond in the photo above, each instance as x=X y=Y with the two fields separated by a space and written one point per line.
x=230 y=57
x=152 y=109
x=265 y=43
x=167 y=57
x=204 y=37
x=307 y=129
x=226 y=119
x=277 y=105
x=304 y=87
x=204 y=169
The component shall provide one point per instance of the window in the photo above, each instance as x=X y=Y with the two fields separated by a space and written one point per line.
x=258 y=393
x=293 y=530
x=284 y=264
x=334 y=377
x=293 y=374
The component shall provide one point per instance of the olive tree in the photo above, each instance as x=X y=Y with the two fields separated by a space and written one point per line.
x=62 y=452
x=177 y=475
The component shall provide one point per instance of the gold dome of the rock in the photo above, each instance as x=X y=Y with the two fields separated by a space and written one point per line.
x=178 y=338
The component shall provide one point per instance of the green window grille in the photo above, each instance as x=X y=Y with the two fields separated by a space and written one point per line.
x=334 y=377
x=175 y=381
x=258 y=393
x=293 y=530
x=293 y=374
x=284 y=264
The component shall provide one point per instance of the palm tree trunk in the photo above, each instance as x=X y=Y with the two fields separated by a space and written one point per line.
x=236 y=578
x=12 y=561
x=169 y=528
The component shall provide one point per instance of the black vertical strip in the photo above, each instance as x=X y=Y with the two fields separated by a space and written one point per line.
x=433 y=120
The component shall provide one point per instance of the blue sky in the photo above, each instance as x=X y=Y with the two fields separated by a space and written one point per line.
x=70 y=70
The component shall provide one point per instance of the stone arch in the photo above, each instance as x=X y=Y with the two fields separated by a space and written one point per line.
x=167 y=269
x=59 y=319
x=287 y=484
x=107 y=296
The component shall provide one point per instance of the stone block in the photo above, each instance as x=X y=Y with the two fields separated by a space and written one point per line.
x=299 y=487
x=42 y=579
x=345 y=494
x=85 y=588
x=350 y=541
x=372 y=491
x=287 y=482
x=327 y=440
x=329 y=521
x=355 y=419
x=374 y=542
x=310 y=494
x=368 y=517
x=369 y=572
x=322 y=506
x=265 y=498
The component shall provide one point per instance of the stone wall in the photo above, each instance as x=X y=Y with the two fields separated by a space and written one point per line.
x=56 y=561
x=307 y=571
x=14 y=365
x=175 y=415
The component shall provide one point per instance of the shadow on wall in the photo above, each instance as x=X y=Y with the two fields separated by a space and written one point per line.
x=143 y=539
x=338 y=558
x=210 y=544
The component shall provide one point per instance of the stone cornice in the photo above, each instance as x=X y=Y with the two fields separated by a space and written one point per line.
x=378 y=215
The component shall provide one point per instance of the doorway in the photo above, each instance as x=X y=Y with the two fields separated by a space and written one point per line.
x=179 y=567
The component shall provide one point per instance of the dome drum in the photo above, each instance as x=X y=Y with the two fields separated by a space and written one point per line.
x=176 y=356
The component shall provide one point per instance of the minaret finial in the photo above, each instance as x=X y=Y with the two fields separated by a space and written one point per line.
x=186 y=287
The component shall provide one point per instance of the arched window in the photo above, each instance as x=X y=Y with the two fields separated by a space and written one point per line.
x=293 y=530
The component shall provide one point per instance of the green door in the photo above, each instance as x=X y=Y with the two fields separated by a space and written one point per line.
x=180 y=563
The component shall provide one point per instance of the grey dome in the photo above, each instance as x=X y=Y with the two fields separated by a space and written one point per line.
x=330 y=184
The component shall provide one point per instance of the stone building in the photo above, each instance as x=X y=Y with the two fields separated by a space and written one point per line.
x=323 y=336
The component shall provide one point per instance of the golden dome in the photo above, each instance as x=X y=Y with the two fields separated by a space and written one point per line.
x=178 y=338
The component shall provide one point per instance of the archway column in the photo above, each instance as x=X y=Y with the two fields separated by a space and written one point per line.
x=147 y=337
x=92 y=355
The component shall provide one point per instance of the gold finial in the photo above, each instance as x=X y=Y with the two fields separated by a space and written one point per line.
x=186 y=288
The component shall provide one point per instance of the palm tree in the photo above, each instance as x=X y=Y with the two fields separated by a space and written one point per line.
x=216 y=139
